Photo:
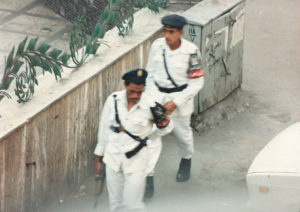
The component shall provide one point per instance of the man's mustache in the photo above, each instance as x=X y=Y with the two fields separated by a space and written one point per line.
x=134 y=99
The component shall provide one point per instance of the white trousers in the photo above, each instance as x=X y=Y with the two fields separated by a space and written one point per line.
x=184 y=134
x=125 y=190
x=185 y=141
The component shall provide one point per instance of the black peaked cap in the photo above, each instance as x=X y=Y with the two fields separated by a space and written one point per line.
x=173 y=20
x=137 y=76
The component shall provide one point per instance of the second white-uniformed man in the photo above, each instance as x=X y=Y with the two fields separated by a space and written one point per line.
x=125 y=130
x=175 y=76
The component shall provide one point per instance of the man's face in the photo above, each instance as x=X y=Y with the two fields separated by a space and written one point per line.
x=172 y=35
x=134 y=92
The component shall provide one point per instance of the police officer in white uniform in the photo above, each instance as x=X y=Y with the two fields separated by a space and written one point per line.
x=125 y=130
x=175 y=76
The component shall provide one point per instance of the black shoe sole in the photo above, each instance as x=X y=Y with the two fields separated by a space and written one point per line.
x=182 y=180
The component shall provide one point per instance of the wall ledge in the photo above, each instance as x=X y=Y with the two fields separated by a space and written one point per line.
x=14 y=115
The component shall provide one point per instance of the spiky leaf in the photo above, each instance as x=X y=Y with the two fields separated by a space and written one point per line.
x=57 y=70
x=3 y=93
x=102 y=33
x=17 y=66
x=33 y=71
x=95 y=48
x=104 y=15
x=65 y=58
x=10 y=59
x=55 y=53
x=111 y=18
x=43 y=48
x=88 y=46
x=45 y=66
x=131 y=23
x=96 y=30
x=32 y=43
x=35 y=61
x=21 y=46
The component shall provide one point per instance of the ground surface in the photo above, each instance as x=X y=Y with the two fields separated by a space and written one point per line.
x=267 y=102
x=30 y=18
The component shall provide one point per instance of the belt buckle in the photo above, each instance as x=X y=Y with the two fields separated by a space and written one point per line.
x=117 y=129
x=120 y=128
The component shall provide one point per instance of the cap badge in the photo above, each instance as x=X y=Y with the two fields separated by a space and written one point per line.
x=140 y=73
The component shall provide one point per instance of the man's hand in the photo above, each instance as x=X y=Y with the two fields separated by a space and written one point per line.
x=163 y=123
x=99 y=178
x=98 y=164
x=170 y=106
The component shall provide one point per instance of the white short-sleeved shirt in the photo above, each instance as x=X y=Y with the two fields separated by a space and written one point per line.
x=177 y=62
x=138 y=121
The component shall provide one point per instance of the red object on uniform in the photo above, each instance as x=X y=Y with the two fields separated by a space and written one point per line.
x=196 y=73
x=163 y=123
x=195 y=67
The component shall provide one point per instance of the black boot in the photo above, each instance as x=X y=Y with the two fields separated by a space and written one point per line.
x=149 y=190
x=184 y=170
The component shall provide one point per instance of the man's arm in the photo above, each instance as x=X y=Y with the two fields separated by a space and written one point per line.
x=194 y=86
x=170 y=106
x=161 y=132
x=103 y=131
x=150 y=67
x=98 y=165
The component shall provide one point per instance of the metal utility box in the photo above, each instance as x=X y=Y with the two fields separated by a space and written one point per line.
x=217 y=28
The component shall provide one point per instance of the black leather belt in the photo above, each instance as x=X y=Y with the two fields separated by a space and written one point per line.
x=171 y=90
x=142 y=142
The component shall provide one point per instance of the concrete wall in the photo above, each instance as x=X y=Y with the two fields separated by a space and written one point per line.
x=46 y=145
x=51 y=151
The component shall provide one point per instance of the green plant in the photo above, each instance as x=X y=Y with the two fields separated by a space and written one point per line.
x=31 y=55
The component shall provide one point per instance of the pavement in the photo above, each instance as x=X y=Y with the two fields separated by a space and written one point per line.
x=267 y=102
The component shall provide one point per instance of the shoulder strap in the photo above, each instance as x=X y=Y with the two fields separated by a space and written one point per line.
x=116 y=110
x=166 y=68
x=142 y=142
